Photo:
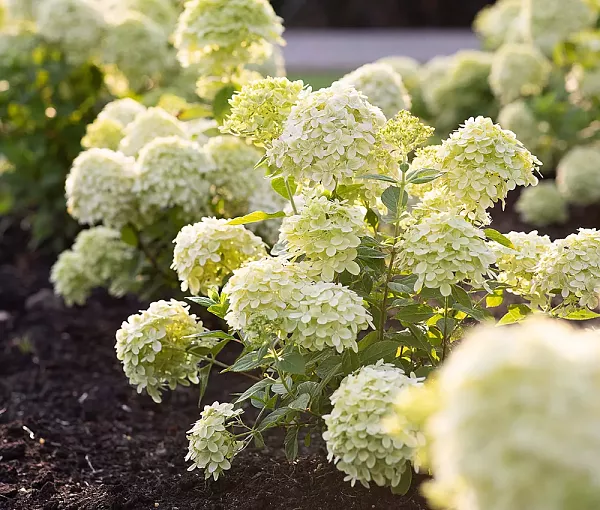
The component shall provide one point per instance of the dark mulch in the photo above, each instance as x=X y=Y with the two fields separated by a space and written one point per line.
x=74 y=435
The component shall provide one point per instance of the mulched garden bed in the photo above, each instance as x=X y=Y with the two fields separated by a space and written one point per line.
x=75 y=435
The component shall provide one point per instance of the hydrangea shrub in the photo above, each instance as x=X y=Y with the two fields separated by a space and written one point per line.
x=370 y=286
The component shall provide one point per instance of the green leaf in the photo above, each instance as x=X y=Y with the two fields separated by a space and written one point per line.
x=415 y=313
x=376 y=177
x=301 y=403
x=476 y=313
x=255 y=217
x=422 y=176
x=391 y=199
x=255 y=388
x=202 y=301
x=203 y=375
x=581 y=315
x=129 y=236
x=278 y=185
x=404 y=284
x=250 y=361
x=212 y=334
x=291 y=443
x=221 y=106
x=494 y=235
x=197 y=111
x=405 y=482
x=6 y=202
x=259 y=442
x=291 y=362
x=461 y=296
x=372 y=218
x=273 y=419
x=350 y=361
x=496 y=299
x=368 y=340
x=385 y=350
x=365 y=252
x=516 y=313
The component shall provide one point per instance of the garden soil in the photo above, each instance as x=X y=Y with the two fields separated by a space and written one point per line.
x=75 y=436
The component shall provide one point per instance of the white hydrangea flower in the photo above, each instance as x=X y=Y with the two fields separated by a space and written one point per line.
x=108 y=260
x=572 y=265
x=147 y=126
x=207 y=252
x=482 y=163
x=163 y=12
x=382 y=85
x=103 y=133
x=260 y=293
x=517 y=266
x=70 y=278
x=327 y=137
x=542 y=205
x=327 y=233
x=138 y=46
x=152 y=347
x=260 y=109
x=578 y=175
x=21 y=10
x=221 y=35
x=431 y=74
x=519 y=70
x=78 y=25
x=273 y=67
x=208 y=86
x=584 y=82
x=99 y=188
x=123 y=111
x=407 y=67
x=444 y=249
x=508 y=401
x=499 y=23
x=234 y=162
x=356 y=438
x=518 y=118
x=212 y=446
x=547 y=22
x=458 y=87
x=328 y=315
x=173 y=172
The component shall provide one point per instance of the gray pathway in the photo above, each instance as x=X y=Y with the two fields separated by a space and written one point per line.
x=319 y=50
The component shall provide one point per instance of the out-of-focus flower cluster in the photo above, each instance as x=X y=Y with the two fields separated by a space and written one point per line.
x=222 y=35
x=503 y=410
x=356 y=438
x=518 y=70
x=542 y=205
x=382 y=85
x=578 y=176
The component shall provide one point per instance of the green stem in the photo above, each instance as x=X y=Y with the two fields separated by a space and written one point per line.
x=290 y=194
x=393 y=254
x=214 y=361
x=445 y=339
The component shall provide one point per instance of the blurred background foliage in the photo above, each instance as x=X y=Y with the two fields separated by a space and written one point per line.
x=45 y=105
